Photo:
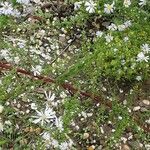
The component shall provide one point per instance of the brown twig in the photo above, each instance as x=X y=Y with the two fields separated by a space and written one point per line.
x=66 y=86
x=6 y=66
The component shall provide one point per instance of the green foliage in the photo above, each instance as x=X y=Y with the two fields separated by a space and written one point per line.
x=118 y=59
x=96 y=61
x=3 y=21
x=72 y=107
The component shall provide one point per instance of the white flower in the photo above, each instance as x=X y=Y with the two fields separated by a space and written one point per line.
x=109 y=8
x=77 y=5
x=47 y=139
x=26 y=2
x=1 y=108
x=6 y=8
x=145 y=48
x=59 y=123
x=138 y=78
x=99 y=33
x=127 y=3
x=44 y=116
x=54 y=143
x=49 y=96
x=36 y=70
x=41 y=34
x=147 y=146
x=112 y=27
x=16 y=13
x=127 y=23
x=141 y=57
x=64 y=146
x=4 y=53
x=63 y=95
x=126 y=39
x=33 y=106
x=7 y=122
x=16 y=59
x=108 y=38
x=121 y=27
x=46 y=136
x=84 y=114
x=142 y=2
x=120 y=117
x=21 y=43
x=90 y=6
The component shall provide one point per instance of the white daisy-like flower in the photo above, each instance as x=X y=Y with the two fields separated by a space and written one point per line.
x=90 y=6
x=112 y=27
x=26 y=2
x=121 y=27
x=141 y=57
x=99 y=33
x=108 y=38
x=127 y=3
x=127 y=23
x=36 y=70
x=6 y=8
x=49 y=96
x=45 y=116
x=142 y=2
x=77 y=5
x=59 y=123
x=109 y=8
x=145 y=48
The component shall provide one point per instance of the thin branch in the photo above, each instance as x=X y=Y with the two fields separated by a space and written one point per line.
x=55 y=59
x=4 y=66
x=66 y=86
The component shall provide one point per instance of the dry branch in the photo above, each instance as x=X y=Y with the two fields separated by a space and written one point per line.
x=6 y=66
